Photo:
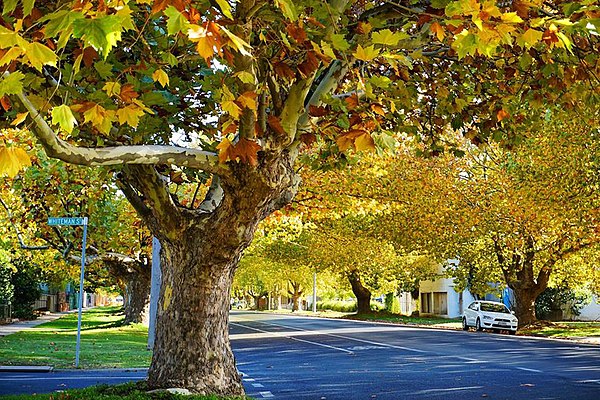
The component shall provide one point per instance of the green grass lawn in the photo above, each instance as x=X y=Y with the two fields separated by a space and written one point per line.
x=383 y=316
x=105 y=342
x=567 y=329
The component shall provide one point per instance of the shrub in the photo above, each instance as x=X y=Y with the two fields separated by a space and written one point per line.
x=337 y=305
x=556 y=299
x=26 y=282
x=392 y=304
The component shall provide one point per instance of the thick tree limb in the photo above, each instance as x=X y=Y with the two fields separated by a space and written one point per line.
x=142 y=154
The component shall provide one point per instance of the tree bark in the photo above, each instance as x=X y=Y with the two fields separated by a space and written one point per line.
x=200 y=253
x=296 y=293
x=192 y=347
x=363 y=295
x=137 y=307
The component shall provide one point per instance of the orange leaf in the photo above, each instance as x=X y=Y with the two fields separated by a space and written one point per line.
x=275 y=124
x=310 y=65
x=5 y=103
x=378 y=109
x=317 y=111
x=438 y=30
x=226 y=151
x=297 y=33
x=502 y=115
x=248 y=100
x=345 y=142
x=247 y=151
x=352 y=101
x=127 y=93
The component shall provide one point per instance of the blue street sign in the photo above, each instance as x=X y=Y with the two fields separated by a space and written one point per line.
x=67 y=221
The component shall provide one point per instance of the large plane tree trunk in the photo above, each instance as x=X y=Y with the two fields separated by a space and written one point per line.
x=200 y=253
x=520 y=276
x=363 y=295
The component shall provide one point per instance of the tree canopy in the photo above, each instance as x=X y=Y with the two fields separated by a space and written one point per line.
x=223 y=95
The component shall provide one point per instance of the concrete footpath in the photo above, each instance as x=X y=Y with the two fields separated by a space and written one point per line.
x=8 y=329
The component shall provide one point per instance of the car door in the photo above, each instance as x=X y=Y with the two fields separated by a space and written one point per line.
x=472 y=313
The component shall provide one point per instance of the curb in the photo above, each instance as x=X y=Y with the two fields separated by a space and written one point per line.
x=25 y=368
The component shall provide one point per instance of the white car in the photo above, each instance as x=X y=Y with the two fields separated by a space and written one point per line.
x=489 y=315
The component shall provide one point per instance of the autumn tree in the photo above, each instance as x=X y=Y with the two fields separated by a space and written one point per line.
x=158 y=90
x=118 y=246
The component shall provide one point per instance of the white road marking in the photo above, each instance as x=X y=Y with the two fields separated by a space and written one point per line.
x=326 y=333
x=258 y=385
x=448 y=389
x=529 y=369
x=293 y=338
x=266 y=395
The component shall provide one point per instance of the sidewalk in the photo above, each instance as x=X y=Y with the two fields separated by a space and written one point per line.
x=22 y=325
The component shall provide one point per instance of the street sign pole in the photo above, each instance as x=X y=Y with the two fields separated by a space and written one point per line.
x=53 y=221
x=85 y=222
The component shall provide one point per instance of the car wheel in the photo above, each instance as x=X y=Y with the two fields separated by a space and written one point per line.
x=478 y=325
x=464 y=324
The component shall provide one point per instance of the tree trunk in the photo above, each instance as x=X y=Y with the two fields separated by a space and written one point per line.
x=192 y=347
x=296 y=294
x=363 y=295
x=137 y=307
x=201 y=250
x=525 y=305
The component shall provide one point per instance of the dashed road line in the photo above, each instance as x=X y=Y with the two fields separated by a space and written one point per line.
x=529 y=370
x=293 y=338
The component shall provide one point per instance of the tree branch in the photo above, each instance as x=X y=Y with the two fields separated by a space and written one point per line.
x=117 y=155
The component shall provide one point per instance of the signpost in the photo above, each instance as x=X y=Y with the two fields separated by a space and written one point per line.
x=53 y=221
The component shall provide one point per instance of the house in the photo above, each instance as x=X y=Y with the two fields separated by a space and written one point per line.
x=439 y=298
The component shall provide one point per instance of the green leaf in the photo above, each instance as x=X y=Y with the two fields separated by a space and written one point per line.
x=12 y=84
x=63 y=116
x=439 y=4
x=101 y=33
x=103 y=68
x=339 y=42
x=288 y=9
x=530 y=38
x=27 y=7
x=176 y=22
x=60 y=21
x=9 y=6
x=40 y=55
x=465 y=43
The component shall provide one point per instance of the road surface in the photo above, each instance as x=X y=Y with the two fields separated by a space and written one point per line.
x=296 y=358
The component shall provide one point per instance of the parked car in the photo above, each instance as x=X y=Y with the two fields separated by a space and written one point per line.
x=489 y=315
x=239 y=304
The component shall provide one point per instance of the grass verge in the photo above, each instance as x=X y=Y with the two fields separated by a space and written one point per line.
x=567 y=330
x=128 y=391
x=105 y=342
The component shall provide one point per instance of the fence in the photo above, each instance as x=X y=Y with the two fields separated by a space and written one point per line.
x=5 y=311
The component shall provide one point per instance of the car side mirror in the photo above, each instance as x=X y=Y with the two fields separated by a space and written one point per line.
x=512 y=312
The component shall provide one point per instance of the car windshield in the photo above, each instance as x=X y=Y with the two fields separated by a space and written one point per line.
x=491 y=307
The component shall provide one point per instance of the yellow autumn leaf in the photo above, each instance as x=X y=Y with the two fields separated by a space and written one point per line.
x=511 y=18
x=20 y=118
x=237 y=42
x=530 y=38
x=40 y=55
x=161 y=77
x=366 y=54
x=112 y=88
x=226 y=151
x=364 y=142
x=12 y=160
x=130 y=115
x=100 y=118
x=248 y=100
x=231 y=108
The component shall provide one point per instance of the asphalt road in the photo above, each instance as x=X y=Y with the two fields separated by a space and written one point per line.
x=291 y=358
x=309 y=358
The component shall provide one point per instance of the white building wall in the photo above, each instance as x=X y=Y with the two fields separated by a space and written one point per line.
x=455 y=302
x=590 y=312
